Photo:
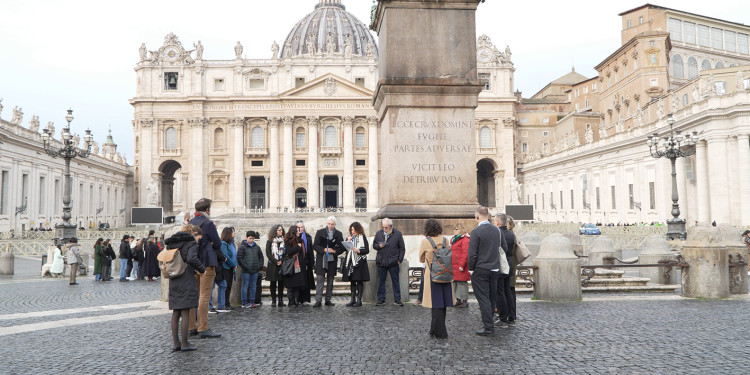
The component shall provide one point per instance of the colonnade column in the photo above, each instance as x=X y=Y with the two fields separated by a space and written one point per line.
x=313 y=193
x=348 y=180
x=287 y=197
x=681 y=189
x=719 y=187
x=743 y=153
x=372 y=147
x=273 y=178
x=197 y=177
x=701 y=182
x=237 y=178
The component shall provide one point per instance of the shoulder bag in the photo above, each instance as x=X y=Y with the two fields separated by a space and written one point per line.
x=522 y=252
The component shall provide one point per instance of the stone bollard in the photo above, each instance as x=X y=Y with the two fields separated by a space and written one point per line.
x=656 y=248
x=602 y=247
x=235 y=295
x=370 y=294
x=707 y=274
x=164 y=296
x=575 y=243
x=7 y=263
x=532 y=242
x=732 y=239
x=558 y=274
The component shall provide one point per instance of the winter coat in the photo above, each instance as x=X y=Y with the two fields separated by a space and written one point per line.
x=97 y=259
x=57 y=261
x=435 y=295
x=71 y=250
x=183 y=291
x=297 y=280
x=393 y=252
x=273 y=271
x=125 y=252
x=321 y=243
x=250 y=257
x=107 y=250
x=460 y=258
x=361 y=272
x=210 y=242
x=150 y=262
x=139 y=254
x=230 y=252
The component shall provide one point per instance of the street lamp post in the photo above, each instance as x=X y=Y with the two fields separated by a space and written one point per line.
x=673 y=146
x=68 y=151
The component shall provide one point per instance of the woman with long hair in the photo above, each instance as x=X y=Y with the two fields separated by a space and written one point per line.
x=355 y=263
x=229 y=249
x=108 y=255
x=98 y=259
x=437 y=296
x=294 y=249
x=275 y=253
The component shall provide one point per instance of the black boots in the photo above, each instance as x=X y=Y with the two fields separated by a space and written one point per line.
x=360 y=288
x=353 y=289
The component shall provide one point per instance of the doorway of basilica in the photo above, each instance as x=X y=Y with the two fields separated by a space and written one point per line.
x=486 y=183
x=331 y=191
x=167 y=173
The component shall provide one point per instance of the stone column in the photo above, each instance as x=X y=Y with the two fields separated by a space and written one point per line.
x=743 y=155
x=681 y=191
x=719 y=186
x=701 y=182
x=287 y=189
x=313 y=193
x=707 y=274
x=339 y=192
x=654 y=249
x=348 y=180
x=558 y=276
x=372 y=149
x=322 y=192
x=273 y=189
x=197 y=177
x=237 y=176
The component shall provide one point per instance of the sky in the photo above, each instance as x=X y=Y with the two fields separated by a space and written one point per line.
x=78 y=54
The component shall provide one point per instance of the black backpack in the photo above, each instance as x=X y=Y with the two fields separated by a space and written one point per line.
x=441 y=269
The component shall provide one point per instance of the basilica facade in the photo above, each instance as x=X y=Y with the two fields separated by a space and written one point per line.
x=296 y=130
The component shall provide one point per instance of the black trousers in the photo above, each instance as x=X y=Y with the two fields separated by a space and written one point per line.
x=228 y=275
x=437 y=326
x=277 y=285
x=484 y=283
x=506 y=303
x=258 y=289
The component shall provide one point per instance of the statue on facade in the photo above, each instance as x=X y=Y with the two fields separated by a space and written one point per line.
x=507 y=52
x=739 y=83
x=370 y=49
x=51 y=128
x=76 y=140
x=311 y=44
x=94 y=148
x=602 y=130
x=1 y=105
x=564 y=143
x=274 y=50
x=17 y=116
x=710 y=85
x=675 y=102
x=576 y=139
x=153 y=193
x=198 y=50
x=238 y=50
x=589 y=135
x=638 y=118
x=660 y=109
x=142 y=52
x=287 y=48
x=696 y=92
x=348 y=46
x=330 y=44
x=515 y=191
x=34 y=123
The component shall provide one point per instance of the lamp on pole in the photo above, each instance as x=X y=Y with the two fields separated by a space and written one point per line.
x=67 y=151
x=673 y=146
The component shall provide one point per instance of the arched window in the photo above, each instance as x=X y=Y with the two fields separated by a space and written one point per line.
x=692 y=67
x=219 y=139
x=256 y=137
x=330 y=136
x=170 y=138
x=300 y=137
x=360 y=137
x=678 y=70
x=360 y=198
x=705 y=64
x=485 y=140
x=719 y=65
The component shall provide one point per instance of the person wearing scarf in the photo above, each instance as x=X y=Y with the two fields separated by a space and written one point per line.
x=355 y=263
x=328 y=247
x=460 y=260
x=294 y=248
x=275 y=254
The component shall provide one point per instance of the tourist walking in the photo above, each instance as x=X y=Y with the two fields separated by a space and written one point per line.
x=108 y=255
x=506 y=304
x=183 y=291
x=150 y=262
x=328 y=246
x=309 y=267
x=275 y=253
x=484 y=266
x=73 y=255
x=355 y=268
x=389 y=243
x=98 y=248
x=437 y=296
x=124 y=256
x=209 y=253
x=250 y=258
x=294 y=248
x=58 y=263
x=460 y=260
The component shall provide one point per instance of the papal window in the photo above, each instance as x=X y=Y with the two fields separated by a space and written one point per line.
x=330 y=136
x=170 y=138
x=256 y=137
x=485 y=139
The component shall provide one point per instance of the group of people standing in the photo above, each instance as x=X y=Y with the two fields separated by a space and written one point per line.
x=137 y=258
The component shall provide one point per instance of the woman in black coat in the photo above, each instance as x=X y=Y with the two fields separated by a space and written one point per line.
x=183 y=291
x=294 y=248
x=274 y=253
x=150 y=263
x=355 y=263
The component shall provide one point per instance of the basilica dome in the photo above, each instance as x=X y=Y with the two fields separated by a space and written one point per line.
x=327 y=30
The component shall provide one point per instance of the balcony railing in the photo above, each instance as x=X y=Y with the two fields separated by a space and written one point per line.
x=486 y=151
x=330 y=151
x=170 y=152
x=256 y=151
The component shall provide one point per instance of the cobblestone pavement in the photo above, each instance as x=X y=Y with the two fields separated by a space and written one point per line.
x=47 y=326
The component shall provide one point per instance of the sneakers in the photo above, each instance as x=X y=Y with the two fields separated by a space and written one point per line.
x=213 y=311
x=193 y=332
x=246 y=306
x=223 y=310
x=209 y=334
x=329 y=303
x=398 y=303
x=380 y=303
x=252 y=305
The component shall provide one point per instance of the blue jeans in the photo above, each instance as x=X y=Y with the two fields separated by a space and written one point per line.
x=382 y=271
x=134 y=273
x=221 y=294
x=97 y=276
x=248 y=287
x=123 y=268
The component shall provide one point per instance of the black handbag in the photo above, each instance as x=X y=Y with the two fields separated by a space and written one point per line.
x=287 y=267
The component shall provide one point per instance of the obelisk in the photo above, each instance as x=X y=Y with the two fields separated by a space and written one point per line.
x=425 y=101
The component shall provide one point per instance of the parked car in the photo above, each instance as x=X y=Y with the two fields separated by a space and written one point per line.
x=589 y=228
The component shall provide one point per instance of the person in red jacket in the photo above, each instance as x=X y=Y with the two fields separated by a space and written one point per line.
x=460 y=259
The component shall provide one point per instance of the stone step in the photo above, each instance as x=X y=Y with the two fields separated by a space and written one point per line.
x=613 y=282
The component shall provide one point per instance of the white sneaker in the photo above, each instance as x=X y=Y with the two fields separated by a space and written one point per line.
x=223 y=310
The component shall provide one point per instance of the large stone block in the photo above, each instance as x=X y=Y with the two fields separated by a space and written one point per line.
x=558 y=274
x=370 y=294
x=7 y=266
x=601 y=248
x=655 y=248
x=707 y=274
x=732 y=239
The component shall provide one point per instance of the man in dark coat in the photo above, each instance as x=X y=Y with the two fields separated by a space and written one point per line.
x=209 y=253
x=124 y=256
x=389 y=243
x=304 y=295
x=484 y=267
x=506 y=298
x=328 y=246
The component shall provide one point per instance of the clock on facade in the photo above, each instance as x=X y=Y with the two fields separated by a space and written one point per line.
x=171 y=53
x=484 y=54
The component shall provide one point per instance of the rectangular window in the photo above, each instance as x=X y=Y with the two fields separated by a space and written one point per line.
x=688 y=32
x=170 y=80
x=703 y=39
x=535 y=205
x=543 y=204
x=654 y=81
x=257 y=84
x=675 y=29
x=572 y=201
x=361 y=162
x=721 y=87
x=593 y=86
x=58 y=197
x=524 y=147
x=585 y=90
x=485 y=79
x=545 y=134
x=24 y=188
x=359 y=140
x=598 y=202
x=717 y=38
x=684 y=99
x=359 y=81
x=4 y=186
x=300 y=162
x=689 y=168
x=256 y=163
x=651 y=196
x=523 y=121
x=545 y=120
x=586 y=103
x=299 y=81
x=614 y=197
x=742 y=43
x=300 y=140
x=561 y=200
x=219 y=84
x=631 y=198
x=730 y=40
x=42 y=194
x=640 y=20
x=630 y=24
